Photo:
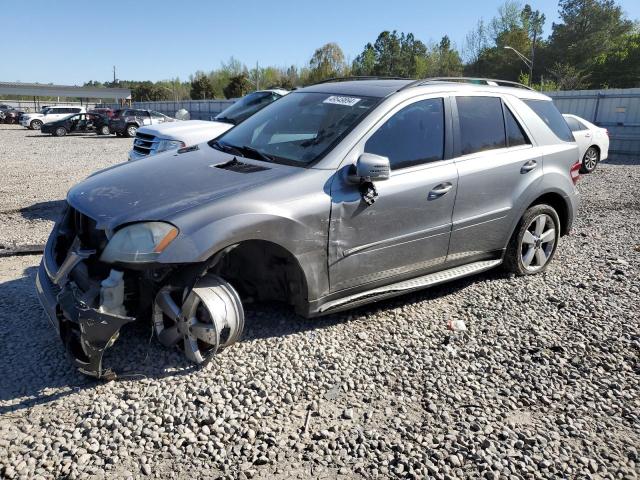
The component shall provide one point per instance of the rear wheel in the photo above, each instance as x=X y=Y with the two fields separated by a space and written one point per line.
x=534 y=242
x=60 y=132
x=131 y=131
x=35 y=124
x=590 y=160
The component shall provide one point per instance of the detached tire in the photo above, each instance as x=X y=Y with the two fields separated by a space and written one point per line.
x=590 y=160
x=534 y=242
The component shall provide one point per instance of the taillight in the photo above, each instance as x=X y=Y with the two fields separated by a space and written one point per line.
x=575 y=172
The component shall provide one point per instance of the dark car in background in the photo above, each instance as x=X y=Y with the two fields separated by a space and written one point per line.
x=79 y=123
x=107 y=112
x=10 y=116
x=125 y=122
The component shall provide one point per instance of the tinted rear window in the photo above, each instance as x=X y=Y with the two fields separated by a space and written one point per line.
x=481 y=124
x=547 y=111
x=515 y=133
x=574 y=124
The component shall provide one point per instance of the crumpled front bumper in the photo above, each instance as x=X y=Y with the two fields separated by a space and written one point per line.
x=85 y=331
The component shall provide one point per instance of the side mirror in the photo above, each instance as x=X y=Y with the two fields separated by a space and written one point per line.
x=371 y=167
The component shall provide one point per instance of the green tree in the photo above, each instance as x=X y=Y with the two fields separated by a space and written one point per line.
x=201 y=87
x=238 y=86
x=448 y=61
x=588 y=29
x=326 y=62
x=365 y=62
x=387 y=48
x=623 y=61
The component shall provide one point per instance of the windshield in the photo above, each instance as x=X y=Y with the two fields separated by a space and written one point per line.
x=246 y=106
x=299 y=129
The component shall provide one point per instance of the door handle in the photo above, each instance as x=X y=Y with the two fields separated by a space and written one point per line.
x=440 y=190
x=527 y=167
x=588 y=135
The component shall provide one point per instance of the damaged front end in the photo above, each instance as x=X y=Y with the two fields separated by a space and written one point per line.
x=88 y=300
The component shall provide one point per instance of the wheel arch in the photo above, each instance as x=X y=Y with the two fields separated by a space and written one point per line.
x=263 y=270
x=559 y=204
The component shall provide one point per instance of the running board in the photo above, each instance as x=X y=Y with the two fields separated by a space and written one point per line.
x=406 y=286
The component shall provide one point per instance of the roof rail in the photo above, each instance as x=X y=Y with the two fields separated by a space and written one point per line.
x=483 y=81
x=346 y=79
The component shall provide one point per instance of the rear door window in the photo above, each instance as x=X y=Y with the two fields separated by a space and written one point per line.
x=413 y=136
x=549 y=114
x=515 y=133
x=574 y=124
x=481 y=124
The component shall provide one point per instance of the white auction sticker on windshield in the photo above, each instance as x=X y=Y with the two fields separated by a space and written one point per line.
x=346 y=101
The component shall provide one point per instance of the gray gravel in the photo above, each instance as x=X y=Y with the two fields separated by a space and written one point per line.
x=543 y=384
x=37 y=171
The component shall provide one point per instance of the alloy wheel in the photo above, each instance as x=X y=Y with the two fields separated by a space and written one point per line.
x=590 y=159
x=538 y=243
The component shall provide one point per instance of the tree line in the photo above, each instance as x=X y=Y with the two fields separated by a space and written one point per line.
x=594 y=45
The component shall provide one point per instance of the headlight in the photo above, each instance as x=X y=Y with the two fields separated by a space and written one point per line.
x=139 y=243
x=164 y=145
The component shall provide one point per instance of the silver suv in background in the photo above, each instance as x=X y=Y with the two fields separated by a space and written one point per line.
x=156 y=139
x=337 y=195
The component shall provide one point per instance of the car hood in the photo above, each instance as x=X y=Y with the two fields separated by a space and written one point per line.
x=171 y=183
x=179 y=129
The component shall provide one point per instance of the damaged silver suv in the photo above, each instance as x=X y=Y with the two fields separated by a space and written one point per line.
x=339 y=194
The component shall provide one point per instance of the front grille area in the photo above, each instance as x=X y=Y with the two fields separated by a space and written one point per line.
x=145 y=144
x=85 y=228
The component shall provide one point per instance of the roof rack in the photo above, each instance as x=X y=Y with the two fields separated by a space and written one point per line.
x=356 y=78
x=476 y=80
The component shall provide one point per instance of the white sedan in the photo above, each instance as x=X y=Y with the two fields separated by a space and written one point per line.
x=593 y=141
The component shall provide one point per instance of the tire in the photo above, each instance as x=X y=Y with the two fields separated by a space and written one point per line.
x=103 y=130
x=60 y=132
x=590 y=160
x=533 y=244
x=35 y=124
x=131 y=130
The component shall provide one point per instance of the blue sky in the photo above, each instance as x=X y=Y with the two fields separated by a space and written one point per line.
x=70 y=42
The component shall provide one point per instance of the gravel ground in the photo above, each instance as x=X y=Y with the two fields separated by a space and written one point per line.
x=37 y=171
x=544 y=383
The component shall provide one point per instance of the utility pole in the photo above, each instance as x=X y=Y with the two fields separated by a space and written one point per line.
x=114 y=74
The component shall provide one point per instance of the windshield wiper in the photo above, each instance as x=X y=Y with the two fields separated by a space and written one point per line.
x=255 y=151
x=242 y=151
x=225 y=147
x=225 y=120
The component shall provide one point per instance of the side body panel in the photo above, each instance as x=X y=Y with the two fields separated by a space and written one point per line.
x=406 y=230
